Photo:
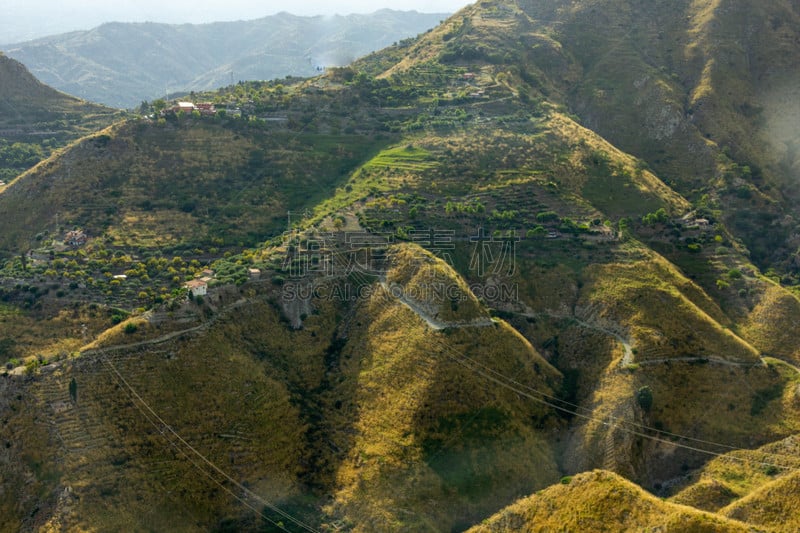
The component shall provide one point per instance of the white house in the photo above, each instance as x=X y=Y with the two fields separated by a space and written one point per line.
x=197 y=287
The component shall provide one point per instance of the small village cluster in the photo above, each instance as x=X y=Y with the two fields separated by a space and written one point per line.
x=204 y=108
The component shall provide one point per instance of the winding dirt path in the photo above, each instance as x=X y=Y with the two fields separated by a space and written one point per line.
x=434 y=323
x=627 y=358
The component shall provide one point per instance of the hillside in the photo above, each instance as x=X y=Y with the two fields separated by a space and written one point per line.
x=430 y=284
x=353 y=411
x=200 y=183
x=714 y=113
x=609 y=503
x=105 y=64
x=36 y=119
x=740 y=479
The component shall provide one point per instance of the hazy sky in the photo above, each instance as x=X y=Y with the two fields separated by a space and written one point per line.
x=26 y=19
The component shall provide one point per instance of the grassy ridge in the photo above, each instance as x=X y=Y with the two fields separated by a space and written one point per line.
x=667 y=316
x=366 y=407
x=602 y=500
x=428 y=428
x=176 y=184
x=772 y=505
x=728 y=479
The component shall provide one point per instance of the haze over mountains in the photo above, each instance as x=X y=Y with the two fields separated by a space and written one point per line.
x=122 y=64
x=35 y=119
x=534 y=269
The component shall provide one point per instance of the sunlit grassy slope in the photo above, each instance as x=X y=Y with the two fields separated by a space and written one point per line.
x=771 y=506
x=360 y=412
x=602 y=501
x=432 y=434
x=728 y=481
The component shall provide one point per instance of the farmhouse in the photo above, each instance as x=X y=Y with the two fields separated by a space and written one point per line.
x=180 y=107
x=197 y=287
x=75 y=238
x=186 y=107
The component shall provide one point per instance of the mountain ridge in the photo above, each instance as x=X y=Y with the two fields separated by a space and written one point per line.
x=101 y=64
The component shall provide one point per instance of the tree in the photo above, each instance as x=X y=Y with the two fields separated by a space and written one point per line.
x=159 y=105
x=73 y=390
x=644 y=397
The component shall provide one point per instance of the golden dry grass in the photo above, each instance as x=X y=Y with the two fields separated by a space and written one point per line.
x=666 y=314
x=432 y=284
x=603 y=501
x=731 y=477
x=128 y=471
x=431 y=435
x=773 y=505
x=771 y=326
x=53 y=332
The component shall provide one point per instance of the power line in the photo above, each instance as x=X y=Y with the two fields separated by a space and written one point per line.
x=207 y=461
x=197 y=459
x=199 y=467
x=572 y=409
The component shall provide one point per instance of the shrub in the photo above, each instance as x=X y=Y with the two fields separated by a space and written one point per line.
x=533 y=233
x=31 y=366
x=130 y=328
x=658 y=217
x=547 y=216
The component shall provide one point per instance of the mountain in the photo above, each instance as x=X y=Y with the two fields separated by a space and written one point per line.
x=481 y=278
x=36 y=119
x=122 y=64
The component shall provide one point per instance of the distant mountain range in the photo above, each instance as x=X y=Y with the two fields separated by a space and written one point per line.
x=122 y=64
